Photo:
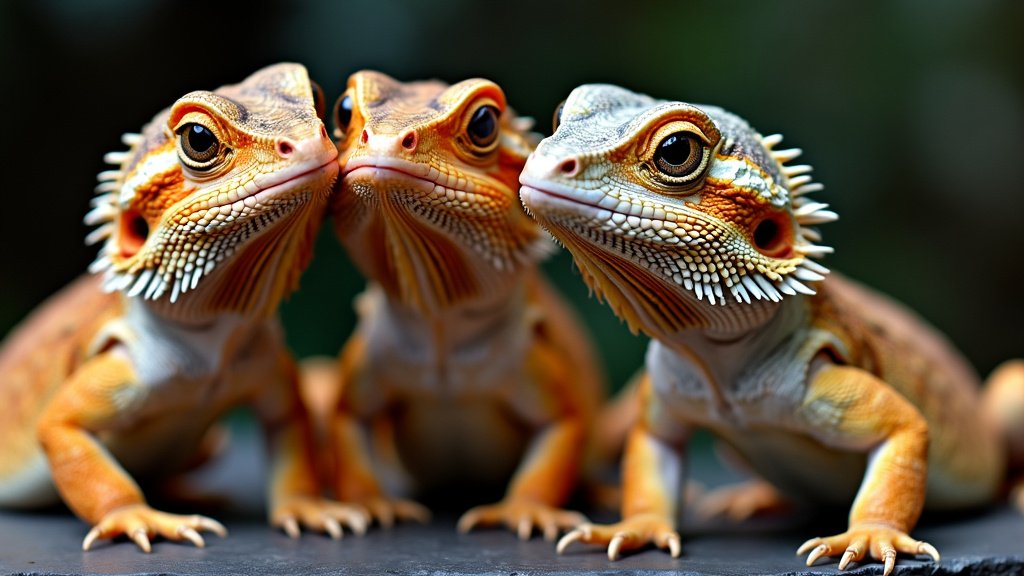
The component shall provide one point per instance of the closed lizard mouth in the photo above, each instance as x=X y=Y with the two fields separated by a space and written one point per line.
x=291 y=181
x=539 y=200
x=387 y=167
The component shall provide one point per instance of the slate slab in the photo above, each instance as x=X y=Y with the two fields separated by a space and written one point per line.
x=985 y=543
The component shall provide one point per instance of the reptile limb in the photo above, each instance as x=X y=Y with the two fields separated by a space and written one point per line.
x=891 y=496
x=111 y=501
x=741 y=501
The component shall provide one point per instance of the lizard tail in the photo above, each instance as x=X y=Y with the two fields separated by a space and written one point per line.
x=1004 y=405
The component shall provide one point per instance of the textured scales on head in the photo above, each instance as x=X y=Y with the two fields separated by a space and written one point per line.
x=429 y=204
x=224 y=184
x=658 y=200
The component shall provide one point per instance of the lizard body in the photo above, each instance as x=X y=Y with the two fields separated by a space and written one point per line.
x=695 y=231
x=206 y=225
x=463 y=353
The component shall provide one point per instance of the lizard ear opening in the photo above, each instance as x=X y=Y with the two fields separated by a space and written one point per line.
x=132 y=234
x=773 y=236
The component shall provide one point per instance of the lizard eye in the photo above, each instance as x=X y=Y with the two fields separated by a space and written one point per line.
x=556 y=119
x=318 y=99
x=343 y=114
x=483 y=127
x=198 y=146
x=681 y=156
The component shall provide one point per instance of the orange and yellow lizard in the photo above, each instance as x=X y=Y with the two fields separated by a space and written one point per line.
x=206 y=225
x=696 y=231
x=464 y=357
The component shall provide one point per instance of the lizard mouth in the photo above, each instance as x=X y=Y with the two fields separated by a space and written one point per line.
x=382 y=167
x=301 y=178
x=536 y=198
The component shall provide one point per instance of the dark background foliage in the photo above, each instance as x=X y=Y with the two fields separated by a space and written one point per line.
x=912 y=113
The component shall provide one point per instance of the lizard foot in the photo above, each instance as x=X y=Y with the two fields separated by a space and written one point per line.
x=386 y=511
x=740 y=501
x=882 y=542
x=141 y=523
x=630 y=534
x=522 y=516
x=318 y=514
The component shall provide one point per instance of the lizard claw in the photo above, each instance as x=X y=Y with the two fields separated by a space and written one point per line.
x=630 y=534
x=881 y=542
x=320 y=515
x=386 y=511
x=141 y=540
x=140 y=523
x=291 y=527
x=192 y=536
x=573 y=536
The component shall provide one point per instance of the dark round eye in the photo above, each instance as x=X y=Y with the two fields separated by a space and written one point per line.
x=343 y=113
x=318 y=99
x=679 y=155
x=556 y=119
x=199 y=145
x=483 y=126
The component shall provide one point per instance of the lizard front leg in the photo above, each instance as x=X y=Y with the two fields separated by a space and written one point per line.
x=91 y=482
x=540 y=486
x=294 y=491
x=354 y=478
x=545 y=478
x=852 y=409
x=652 y=471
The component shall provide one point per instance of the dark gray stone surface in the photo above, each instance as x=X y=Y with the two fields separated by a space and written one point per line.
x=50 y=543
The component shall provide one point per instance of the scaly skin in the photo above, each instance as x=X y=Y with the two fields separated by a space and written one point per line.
x=207 y=224
x=695 y=231
x=465 y=362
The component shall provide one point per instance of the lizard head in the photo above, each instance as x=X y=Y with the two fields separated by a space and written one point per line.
x=216 y=202
x=679 y=216
x=429 y=204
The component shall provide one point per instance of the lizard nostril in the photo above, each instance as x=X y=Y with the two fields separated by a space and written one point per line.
x=285 y=148
x=569 y=167
x=409 y=141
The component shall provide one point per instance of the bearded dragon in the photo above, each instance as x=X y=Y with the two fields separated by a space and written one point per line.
x=697 y=231
x=464 y=357
x=205 y=225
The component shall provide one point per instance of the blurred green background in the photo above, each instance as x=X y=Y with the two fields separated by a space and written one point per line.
x=912 y=113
